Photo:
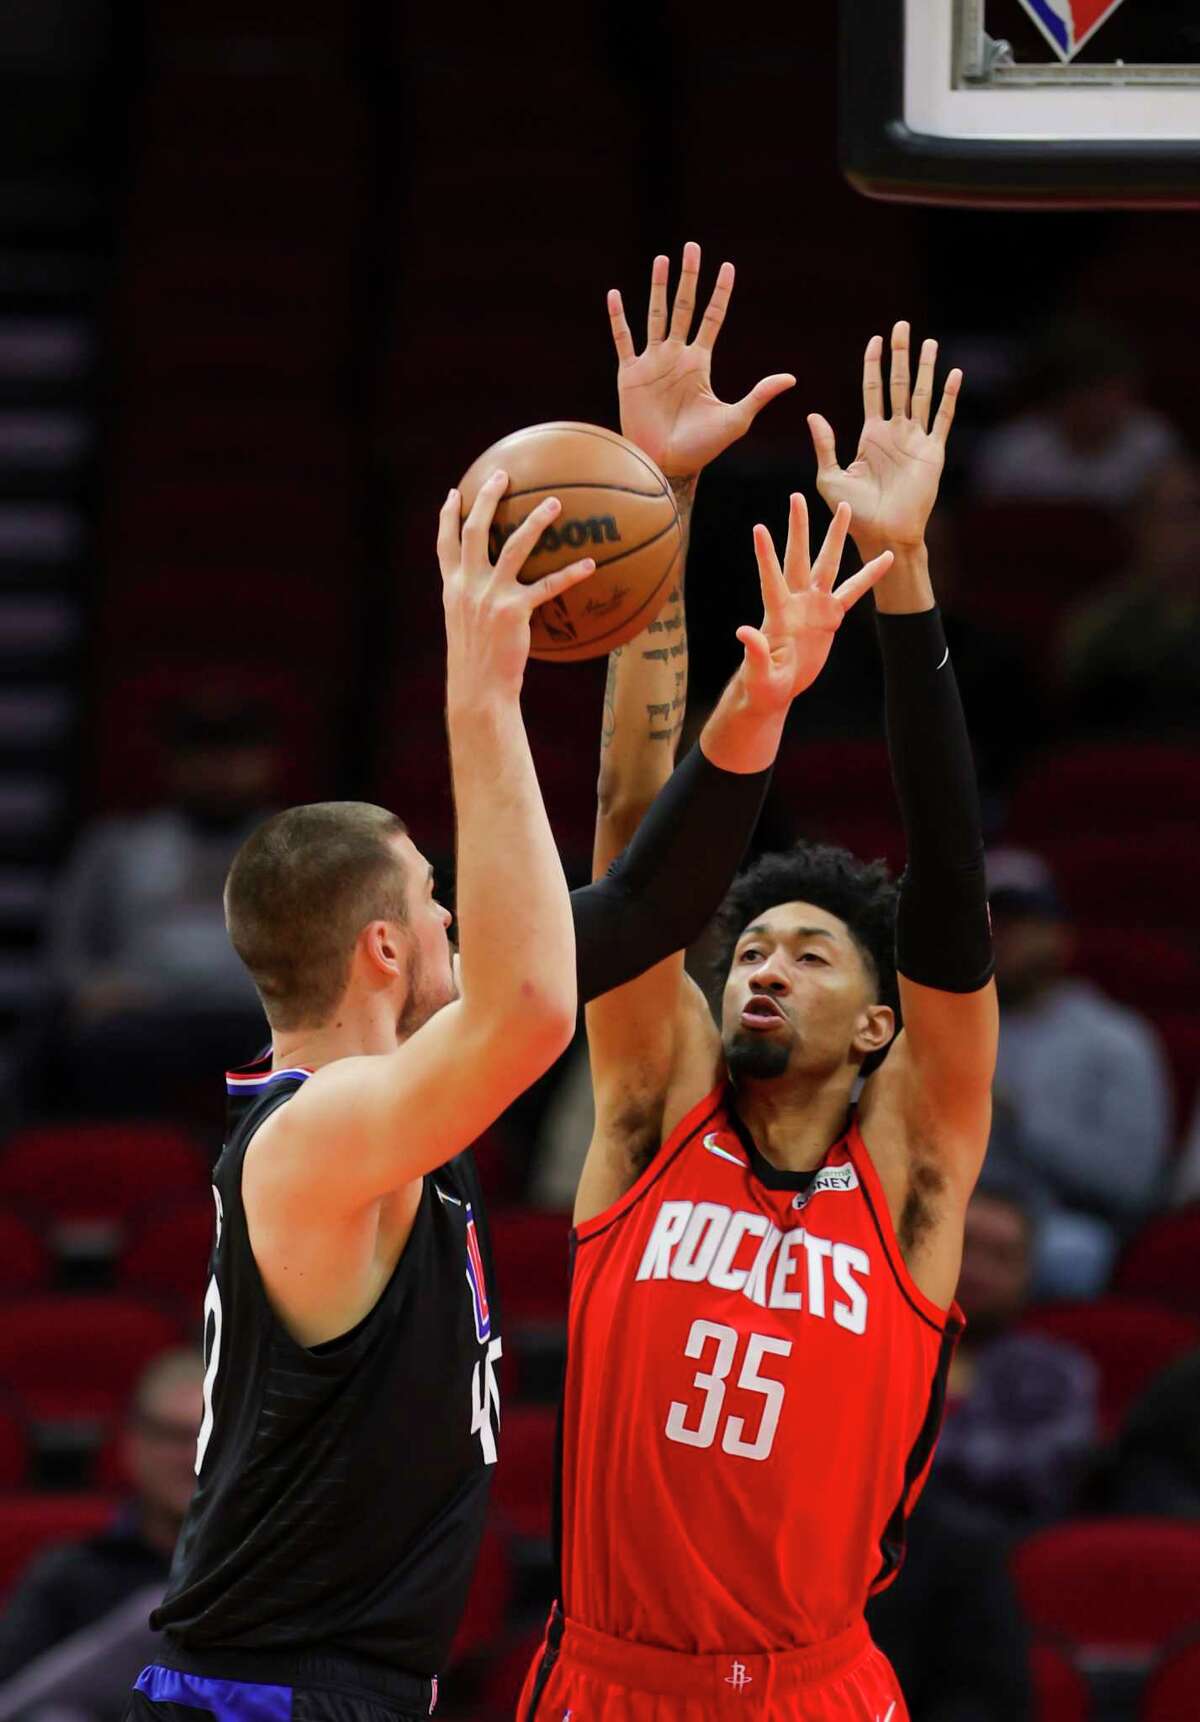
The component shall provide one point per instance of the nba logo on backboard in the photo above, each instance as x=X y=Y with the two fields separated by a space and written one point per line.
x=477 y=1282
x=1068 y=24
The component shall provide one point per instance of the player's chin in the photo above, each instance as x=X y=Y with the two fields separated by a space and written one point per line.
x=751 y=1053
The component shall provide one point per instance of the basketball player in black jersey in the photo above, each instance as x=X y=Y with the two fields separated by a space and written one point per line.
x=351 y=1409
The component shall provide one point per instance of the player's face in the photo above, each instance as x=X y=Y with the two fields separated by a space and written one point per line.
x=797 y=995
x=432 y=981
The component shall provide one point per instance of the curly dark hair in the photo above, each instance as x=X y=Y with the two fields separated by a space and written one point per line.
x=863 y=894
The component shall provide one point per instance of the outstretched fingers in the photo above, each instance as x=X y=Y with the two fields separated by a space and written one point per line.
x=922 y=398
x=770 y=575
x=795 y=558
x=622 y=339
x=873 y=379
x=718 y=304
x=685 y=293
x=945 y=414
x=851 y=590
x=900 y=377
x=825 y=568
x=749 y=407
x=656 y=319
x=824 y=445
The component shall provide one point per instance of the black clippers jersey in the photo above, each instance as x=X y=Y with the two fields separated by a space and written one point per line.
x=341 y=1489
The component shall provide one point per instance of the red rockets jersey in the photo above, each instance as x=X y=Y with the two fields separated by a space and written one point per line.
x=754 y=1390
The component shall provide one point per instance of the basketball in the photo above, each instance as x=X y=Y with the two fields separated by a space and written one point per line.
x=616 y=507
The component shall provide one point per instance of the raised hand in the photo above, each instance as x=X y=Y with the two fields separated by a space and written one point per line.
x=668 y=407
x=892 y=483
x=801 y=610
x=488 y=609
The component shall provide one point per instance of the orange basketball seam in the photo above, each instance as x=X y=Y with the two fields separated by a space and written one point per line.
x=602 y=434
x=585 y=484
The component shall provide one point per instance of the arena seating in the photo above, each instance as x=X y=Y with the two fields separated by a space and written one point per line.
x=25 y=1261
x=30 y=1523
x=525 y=1481
x=98 y=1175
x=1172 y=1693
x=166 y=1255
x=1060 y=1691
x=74 y=1359
x=14 y=1447
x=1162 y=1263
x=1141 y=787
x=1130 y=1342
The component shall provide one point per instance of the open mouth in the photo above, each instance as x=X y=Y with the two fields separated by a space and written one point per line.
x=762 y=1013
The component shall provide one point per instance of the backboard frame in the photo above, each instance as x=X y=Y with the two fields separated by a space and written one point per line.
x=884 y=158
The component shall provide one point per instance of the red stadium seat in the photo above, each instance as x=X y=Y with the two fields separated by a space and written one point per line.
x=98 y=1174
x=1109 y=879
x=1117 y=1590
x=531 y=1251
x=1162 y=1263
x=1146 y=970
x=166 y=1256
x=14 y=1448
x=506 y=1673
x=525 y=1476
x=1172 y=1693
x=1060 y=1691
x=72 y=1359
x=1129 y=1342
x=828 y=779
x=1120 y=787
x=487 y=1600
x=30 y=1523
x=25 y=1261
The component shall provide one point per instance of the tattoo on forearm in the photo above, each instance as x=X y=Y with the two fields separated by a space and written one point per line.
x=684 y=492
x=608 y=723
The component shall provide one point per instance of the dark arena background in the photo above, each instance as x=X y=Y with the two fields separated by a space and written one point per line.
x=272 y=274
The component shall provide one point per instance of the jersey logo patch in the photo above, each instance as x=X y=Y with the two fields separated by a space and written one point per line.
x=739 y=1679
x=1068 y=24
x=714 y=1147
x=477 y=1282
x=828 y=1178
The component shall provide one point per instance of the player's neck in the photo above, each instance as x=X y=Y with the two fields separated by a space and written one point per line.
x=794 y=1122
x=360 y=1028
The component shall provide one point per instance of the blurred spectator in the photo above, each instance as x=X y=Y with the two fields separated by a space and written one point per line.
x=1157 y=1463
x=1131 y=659
x=1090 y=437
x=1021 y=1419
x=75 y=1631
x=951 y=1625
x=1082 y=1092
x=154 y=996
x=1185 y=1186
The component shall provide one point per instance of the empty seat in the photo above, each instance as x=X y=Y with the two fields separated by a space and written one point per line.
x=1173 y=1691
x=1118 y=1590
x=75 y=1359
x=1118 y=787
x=86 y=1174
x=30 y=1523
x=166 y=1255
x=1110 y=878
x=14 y=1447
x=525 y=1476
x=25 y=1260
x=1162 y=1263
x=1130 y=1342
x=1148 y=970
x=1060 y=1692
x=531 y=1251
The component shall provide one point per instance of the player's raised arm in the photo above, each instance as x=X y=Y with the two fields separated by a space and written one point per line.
x=943 y=943
x=362 y=1127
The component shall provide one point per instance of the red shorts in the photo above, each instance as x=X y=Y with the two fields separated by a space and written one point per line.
x=595 y=1678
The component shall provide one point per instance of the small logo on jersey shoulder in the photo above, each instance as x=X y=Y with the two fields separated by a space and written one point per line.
x=739 y=1679
x=477 y=1281
x=888 y=1713
x=714 y=1147
x=446 y=1197
x=828 y=1178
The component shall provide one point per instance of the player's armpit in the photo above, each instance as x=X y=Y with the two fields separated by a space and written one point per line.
x=646 y=1076
x=949 y=1045
x=361 y=1128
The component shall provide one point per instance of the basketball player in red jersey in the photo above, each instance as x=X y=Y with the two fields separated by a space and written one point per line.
x=762 y=1305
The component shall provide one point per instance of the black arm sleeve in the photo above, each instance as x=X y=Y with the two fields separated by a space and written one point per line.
x=943 y=930
x=661 y=891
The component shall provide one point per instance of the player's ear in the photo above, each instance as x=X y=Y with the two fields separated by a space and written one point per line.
x=876 y=1026
x=383 y=946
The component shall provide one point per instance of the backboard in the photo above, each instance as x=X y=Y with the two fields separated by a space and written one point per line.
x=1020 y=103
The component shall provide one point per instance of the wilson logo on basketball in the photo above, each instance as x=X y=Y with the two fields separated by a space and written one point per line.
x=574 y=534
